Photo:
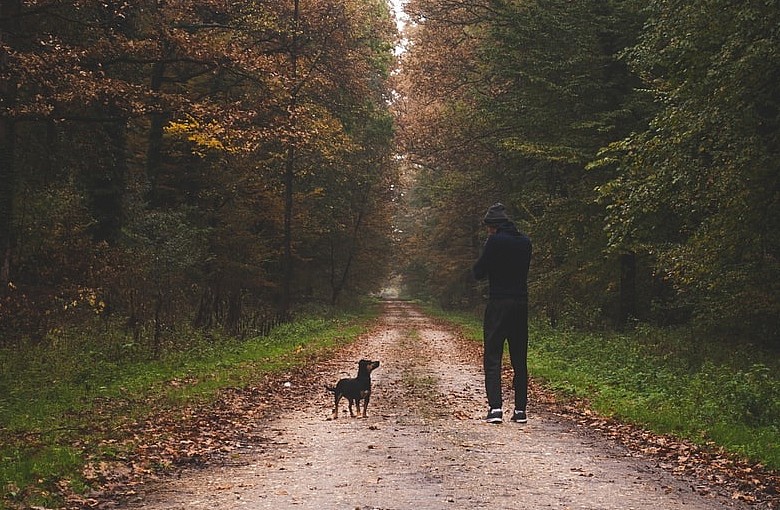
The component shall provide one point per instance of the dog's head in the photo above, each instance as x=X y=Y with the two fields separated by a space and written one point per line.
x=367 y=366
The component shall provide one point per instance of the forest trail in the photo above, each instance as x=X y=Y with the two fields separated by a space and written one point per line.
x=424 y=445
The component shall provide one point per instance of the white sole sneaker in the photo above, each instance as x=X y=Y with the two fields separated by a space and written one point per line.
x=495 y=416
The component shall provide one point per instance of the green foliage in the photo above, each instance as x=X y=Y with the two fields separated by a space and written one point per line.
x=610 y=129
x=654 y=379
x=698 y=188
x=32 y=476
x=747 y=395
x=166 y=241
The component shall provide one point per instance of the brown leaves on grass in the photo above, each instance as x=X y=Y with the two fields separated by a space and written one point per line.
x=170 y=438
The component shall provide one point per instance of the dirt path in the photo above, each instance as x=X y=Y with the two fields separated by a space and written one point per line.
x=424 y=445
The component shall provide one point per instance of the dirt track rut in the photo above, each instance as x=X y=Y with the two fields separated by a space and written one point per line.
x=424 y=445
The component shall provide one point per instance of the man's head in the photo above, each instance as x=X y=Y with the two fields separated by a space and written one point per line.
x=496 y=215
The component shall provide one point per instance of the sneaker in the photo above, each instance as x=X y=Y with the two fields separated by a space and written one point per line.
x=519 y=417
x=495 y=416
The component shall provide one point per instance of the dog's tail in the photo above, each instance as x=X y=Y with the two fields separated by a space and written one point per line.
x=330 y=388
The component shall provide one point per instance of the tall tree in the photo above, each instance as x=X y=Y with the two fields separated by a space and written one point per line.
x=9 y=27
x=698 y=189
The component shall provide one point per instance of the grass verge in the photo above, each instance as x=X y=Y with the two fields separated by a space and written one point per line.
x=664 y=380
x=60 y=398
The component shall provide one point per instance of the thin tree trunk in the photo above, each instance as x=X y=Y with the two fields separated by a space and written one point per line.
x=9 y=15
x=155 y=138
x=157 y=335
x=627 y=287
x=105 y=185
x=206 y=309
x=233 y=318
x=289 y=181
x=289 y=172
x=339 y=285
x=8 y=180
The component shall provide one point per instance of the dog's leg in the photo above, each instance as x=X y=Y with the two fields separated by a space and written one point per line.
x=365 y=405
x=357 y=404
x=336 y=405
x=350 y=407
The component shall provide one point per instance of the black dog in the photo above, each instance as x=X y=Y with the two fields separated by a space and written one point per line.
x=356 y=389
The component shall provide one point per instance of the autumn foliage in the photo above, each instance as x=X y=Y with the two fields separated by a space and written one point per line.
x=206 y=161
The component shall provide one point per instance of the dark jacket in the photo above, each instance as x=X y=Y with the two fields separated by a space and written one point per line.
x=505 y=260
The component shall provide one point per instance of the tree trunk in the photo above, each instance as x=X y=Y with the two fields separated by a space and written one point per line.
x=627 y=287
x=338 y=283
x=289 y=172
x=155 y=138
x=287 y=277
x=9 y=15
x=8 y=180
x=157 y=335
x=233 y=316
x=106 y=185
x=206 y=310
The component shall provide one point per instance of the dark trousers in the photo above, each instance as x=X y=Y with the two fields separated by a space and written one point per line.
x=506 y=320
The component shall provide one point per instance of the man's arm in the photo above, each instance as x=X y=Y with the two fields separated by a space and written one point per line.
x=481 y=268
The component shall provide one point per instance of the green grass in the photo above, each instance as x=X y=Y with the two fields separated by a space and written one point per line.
x=665 y=380
x=65 y=393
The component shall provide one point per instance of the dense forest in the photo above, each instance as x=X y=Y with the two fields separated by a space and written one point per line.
x=210 y=163
x=180 y=177
x=636 y=142
x=217 y=164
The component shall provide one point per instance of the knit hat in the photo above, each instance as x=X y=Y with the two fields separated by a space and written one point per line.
x=496 y=215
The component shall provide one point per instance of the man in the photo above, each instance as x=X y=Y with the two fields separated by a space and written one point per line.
x=505 y=260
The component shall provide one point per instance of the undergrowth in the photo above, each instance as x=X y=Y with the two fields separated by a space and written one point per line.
x=666 y=380
x=63 y=394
